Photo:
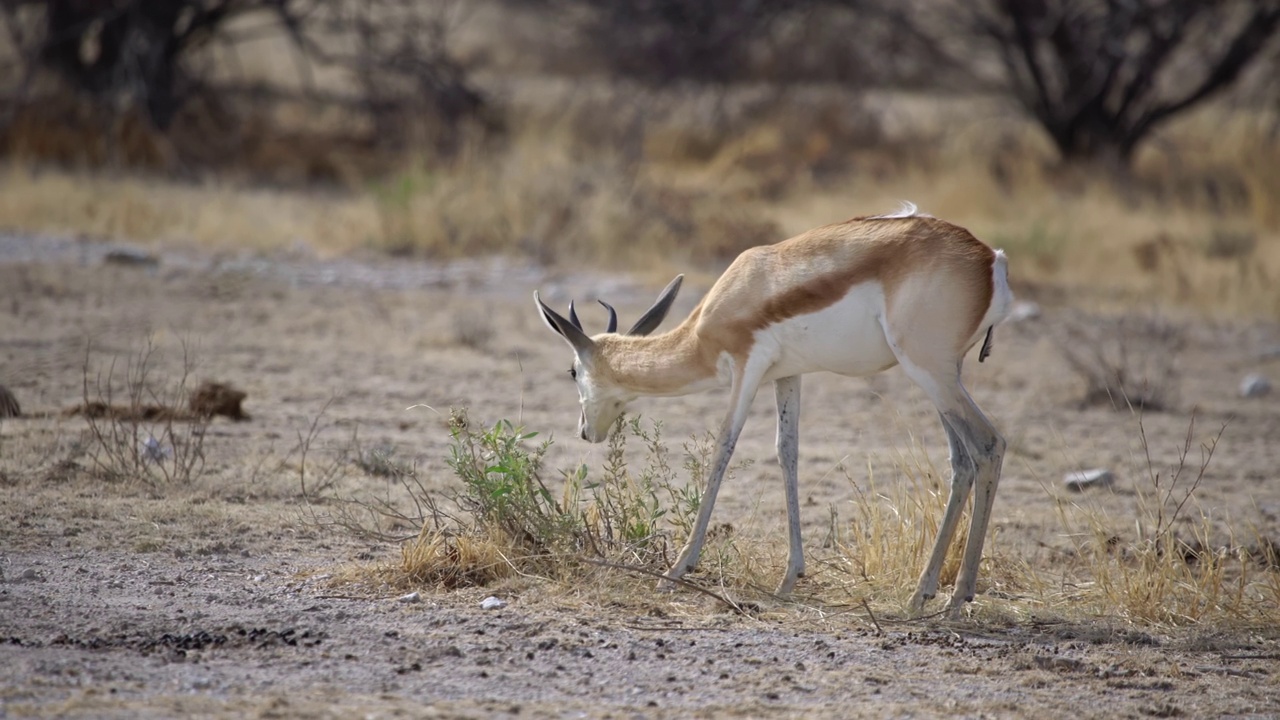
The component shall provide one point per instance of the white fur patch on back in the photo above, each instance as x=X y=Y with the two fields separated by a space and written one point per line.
x=906 y=210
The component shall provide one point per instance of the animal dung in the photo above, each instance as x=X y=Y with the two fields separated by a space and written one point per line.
x=214 y=398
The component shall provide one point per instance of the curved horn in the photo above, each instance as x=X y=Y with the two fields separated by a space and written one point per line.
x=654 y=316
x=566 y=329
x=613 y=316
x=573 y=316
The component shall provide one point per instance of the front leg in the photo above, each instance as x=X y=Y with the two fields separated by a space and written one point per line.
x=741 y=394
x=787 y=391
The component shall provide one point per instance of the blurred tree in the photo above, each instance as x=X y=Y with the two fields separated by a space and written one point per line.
x=1099 y=75
x=144 y=56
x=673 y=40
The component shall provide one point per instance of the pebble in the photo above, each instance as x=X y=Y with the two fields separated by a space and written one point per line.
x=1254 y=386
x=30 y=574
x=412 y=597
x=492 y=603
x=1082 y=480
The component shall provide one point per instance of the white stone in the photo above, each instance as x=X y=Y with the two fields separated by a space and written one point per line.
x=492 y=603
x=1254 y=385
x=1081 y=480
x=412 y=597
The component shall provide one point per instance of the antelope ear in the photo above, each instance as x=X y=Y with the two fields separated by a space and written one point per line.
x=654 y=316
x=565 y=329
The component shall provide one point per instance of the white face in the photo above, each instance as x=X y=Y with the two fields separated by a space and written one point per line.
x=602 y=401
x=601 y=405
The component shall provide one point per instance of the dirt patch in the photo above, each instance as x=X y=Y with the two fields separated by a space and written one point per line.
x=217 y=598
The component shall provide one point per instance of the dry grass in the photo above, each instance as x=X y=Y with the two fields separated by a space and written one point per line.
x=1163 y=569
x=686 y=185
x=1173 y=565
x=154 y=211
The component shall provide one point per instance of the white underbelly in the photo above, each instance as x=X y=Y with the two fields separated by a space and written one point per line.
x=846 y=338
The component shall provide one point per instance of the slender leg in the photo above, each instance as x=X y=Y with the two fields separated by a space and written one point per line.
x=787 y=391
x=966 y=425
x=962 y=477
x=741 y=394
x=987 y=448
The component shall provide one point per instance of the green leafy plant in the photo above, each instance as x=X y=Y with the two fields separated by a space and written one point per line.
x=503 y=488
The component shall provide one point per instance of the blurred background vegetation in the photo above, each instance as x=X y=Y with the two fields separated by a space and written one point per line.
x=1118 y=149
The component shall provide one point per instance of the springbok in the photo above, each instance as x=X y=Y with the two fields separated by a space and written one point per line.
x=854 y=298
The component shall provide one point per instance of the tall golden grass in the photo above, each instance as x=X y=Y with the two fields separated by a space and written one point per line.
x=680 y=186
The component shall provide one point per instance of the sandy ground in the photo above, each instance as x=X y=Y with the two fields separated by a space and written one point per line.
x=209 y=598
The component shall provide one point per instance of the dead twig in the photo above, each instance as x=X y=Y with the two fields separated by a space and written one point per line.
x=679 y=581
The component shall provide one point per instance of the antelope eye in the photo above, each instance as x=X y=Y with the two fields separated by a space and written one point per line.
x=573 y=373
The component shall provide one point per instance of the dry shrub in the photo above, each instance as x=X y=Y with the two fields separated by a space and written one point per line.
x=155 y=440
x=1130 y=361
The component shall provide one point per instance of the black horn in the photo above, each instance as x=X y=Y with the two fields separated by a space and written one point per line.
x=654 y=316
x=573 y=316
x=613 y=316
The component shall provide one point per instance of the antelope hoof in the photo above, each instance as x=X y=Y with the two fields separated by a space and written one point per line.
x=918 y=601
x=955 y=606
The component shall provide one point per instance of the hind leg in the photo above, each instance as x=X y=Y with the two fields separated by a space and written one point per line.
x=977 y=453
x=963 y=473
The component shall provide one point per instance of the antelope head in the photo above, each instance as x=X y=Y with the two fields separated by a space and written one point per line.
x=602 y=399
